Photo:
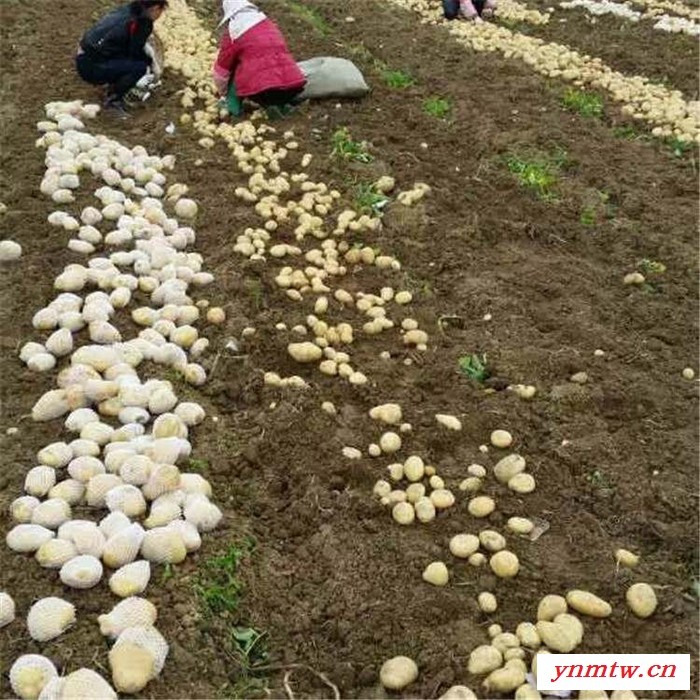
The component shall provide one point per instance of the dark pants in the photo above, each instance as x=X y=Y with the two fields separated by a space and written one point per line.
x=276 y=98
x=121 y=73
x=450 y=8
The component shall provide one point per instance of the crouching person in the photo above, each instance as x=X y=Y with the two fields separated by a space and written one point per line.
x=473 y=10
x=254 y=55
x=114 y=52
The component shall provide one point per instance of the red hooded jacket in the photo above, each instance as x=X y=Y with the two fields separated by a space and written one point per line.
x=258 y=60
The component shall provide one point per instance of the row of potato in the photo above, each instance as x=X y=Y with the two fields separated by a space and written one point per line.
x=129 y=438
x=417 y=492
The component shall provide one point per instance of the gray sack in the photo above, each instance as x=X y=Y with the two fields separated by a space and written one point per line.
x=332 y=77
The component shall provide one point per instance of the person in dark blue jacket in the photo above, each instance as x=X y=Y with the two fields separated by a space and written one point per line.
x=113 y=51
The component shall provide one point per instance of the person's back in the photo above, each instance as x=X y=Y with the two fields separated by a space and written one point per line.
x=264 y=61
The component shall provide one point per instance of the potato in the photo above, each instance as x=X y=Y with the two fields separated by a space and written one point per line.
x=494 y=631
x=633 y=278
x=528 y=636
x=436 y=482
x=641 y=600
x=425 y=510
x=501 y=438
x=458 y=692
x=508 y=467
x=688 y=373
x=305 y=351
x=492 y=541
x=481 y=506
x=520 y=526
x=527 y=692
x=557 y=637
x=504 y=564
x=403 y=513
x=624 y=557
x=442 y=499
x=390 y=442
x=471 y=484
x=216 y=315
x=476 y=470
x=505 y=641
x=398 y=672
x=389 y=413
x=415 y=492
x=588 y=604
x=579 y=378
x=381 y=488
x=522 y=483
x=414 y=468
x=514 y=653
x=484 y=659
x=477 y=559
x=592 y=695
x=450 y=422
x=436 y=574
x=504 y=680
x=573 y=623
x=487 y=602
x=550 y=606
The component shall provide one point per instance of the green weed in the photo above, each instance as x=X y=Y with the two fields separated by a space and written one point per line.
x=588 y=216
x=438 y=107
x=217 y=586
x=310 y=16
x=168 y=572
x=679 y=148
x=587 y=104
x=651 y=267
x=397 y=79
x=599 y=480
x=368 y=200
x=627 y=132
x=475 y=367
x=255 y=289
x=348 y=149
x=197 y=465
x=538 y=173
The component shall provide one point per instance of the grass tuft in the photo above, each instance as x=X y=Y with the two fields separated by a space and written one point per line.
x=398 y=79
x=538 y=173
x=438 y=107
x=346 y=148
x=587 y=104
x=475 y=367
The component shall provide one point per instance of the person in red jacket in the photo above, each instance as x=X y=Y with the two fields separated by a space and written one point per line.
x=254 y=55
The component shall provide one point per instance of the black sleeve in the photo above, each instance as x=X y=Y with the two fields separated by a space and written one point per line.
x=109 y=37
x=138 y=36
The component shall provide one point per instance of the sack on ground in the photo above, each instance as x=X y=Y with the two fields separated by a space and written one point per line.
x=332 y=77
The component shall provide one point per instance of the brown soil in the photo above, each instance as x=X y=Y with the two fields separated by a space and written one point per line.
x=333 y=582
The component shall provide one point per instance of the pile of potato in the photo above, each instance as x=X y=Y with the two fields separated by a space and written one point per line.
x=667 y=110
x=291 y=202
x=127 y=439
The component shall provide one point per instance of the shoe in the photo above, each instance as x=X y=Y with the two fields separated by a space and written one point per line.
x=116 y=108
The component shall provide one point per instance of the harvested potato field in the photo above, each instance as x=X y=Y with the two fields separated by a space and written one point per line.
x=411 y=375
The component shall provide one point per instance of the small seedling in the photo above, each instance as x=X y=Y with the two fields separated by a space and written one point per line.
x=437 y=107
x=475 y=367
x=348 y=149
x=398 y=79
x=250 y=647
x=218 y=587
x=368 y=200
x=627 y=132
x=197 y=465
x=168 y=572
x=538 y=173
x=587 y=104
x=588 y=216
x=679 y=148
x=651 y=267
x=310 y=16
